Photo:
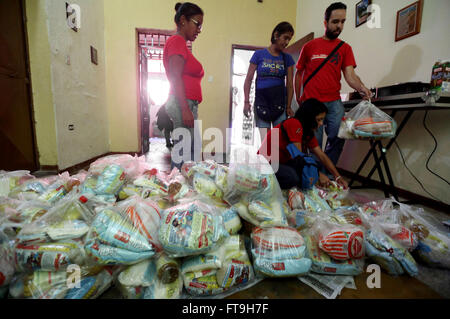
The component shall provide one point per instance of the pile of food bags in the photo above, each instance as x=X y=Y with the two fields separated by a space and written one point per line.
x=206 y=231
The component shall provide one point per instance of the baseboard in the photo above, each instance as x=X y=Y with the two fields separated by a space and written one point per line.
x=416 y=198
x=49 y=168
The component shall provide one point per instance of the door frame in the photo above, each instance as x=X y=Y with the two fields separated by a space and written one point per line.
x=32 y=120
x=138 y=79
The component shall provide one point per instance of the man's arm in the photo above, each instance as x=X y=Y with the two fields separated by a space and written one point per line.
x=297 y=85
x=355 y=82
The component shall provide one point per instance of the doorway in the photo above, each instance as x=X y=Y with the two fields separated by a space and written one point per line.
x=242 y=128
x=17 y=132
x=154 y=87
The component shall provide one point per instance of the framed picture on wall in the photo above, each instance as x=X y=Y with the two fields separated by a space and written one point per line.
x=361 y=13
x=408 y=21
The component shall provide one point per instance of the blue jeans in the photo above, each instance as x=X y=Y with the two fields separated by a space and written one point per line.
x=332 y=121
x=173 y=109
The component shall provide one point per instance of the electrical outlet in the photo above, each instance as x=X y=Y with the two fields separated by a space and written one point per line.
x=71 y=127
x=94 y=58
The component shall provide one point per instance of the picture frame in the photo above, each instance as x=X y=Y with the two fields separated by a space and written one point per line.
x=361 y=14
x=408 y=21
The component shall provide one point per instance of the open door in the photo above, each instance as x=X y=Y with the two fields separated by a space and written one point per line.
x=17 y=137
x=145 y=114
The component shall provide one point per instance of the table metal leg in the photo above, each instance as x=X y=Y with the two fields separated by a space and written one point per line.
x=379 y=169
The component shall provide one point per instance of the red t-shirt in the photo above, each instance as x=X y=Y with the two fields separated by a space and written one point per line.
x=193 y=71
x=294 y=130
x=325 y=86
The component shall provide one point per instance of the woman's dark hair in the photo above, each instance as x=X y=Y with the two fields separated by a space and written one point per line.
x=307 y=113
x=186 y=9
x=332 y=7
x=281 y=28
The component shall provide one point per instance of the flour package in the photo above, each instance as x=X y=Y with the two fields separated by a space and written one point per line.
x=279 y=252
x=113 y=239
x=368 y=121
x=191 y=228
x=145 y=215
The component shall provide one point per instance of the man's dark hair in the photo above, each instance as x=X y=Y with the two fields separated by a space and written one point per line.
x=281 y=28
x=307 y=113
x=332 y=7
x=186 y=9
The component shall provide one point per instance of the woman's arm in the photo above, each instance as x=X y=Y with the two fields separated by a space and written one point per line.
x=325 y=160
x=290 y=90
x=247 y=85
x=176 y=66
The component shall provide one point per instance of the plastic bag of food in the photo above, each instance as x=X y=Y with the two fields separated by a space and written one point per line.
x=370 y=122
x=10 y=180
x=7 y=265
x=145 y=215
x=69 y=219
x=114 y=240
x=191 y=228
x=154 y=181
x=314 y=201
x=345 y=128
x=155 y=278
x=339 y=241
x=336 y=196
x=236 y=269
x=133 y=166
x=322 y=263
x=279 y=252
x=231 y=220
x=53 y=256
x=388 y=253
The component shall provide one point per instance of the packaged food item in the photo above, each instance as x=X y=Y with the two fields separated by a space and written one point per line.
x=401 y=234
x=388 y=253
x=142 y=274
x=13 y=179
x=322 y=263
x=39 y=285
x=232 y=220
x=296 y=199
x=437 y=75
x=110 y=180
x=201 y=286
x=48 y=256
x=160 y=290
x=113 y=239
x=371 y=122
x=339 y=241
x=279 y=252
x=92 y=287
x=7 y=269
x=153 y=181
x=205 y=185
x=145 y=215
x=314 y=202
x=191 y=228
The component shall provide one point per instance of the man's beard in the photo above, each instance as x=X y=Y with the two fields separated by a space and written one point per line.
x=331 y=35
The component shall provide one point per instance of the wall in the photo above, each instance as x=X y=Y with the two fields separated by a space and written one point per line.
x=225 y=23
x=78 y=95
x=382 y=61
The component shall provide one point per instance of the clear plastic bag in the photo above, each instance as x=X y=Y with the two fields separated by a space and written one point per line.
x=191 y=228
x=145 y=215
x=279 y=252
x=339 y=241
x=69 y=219
x=12 y=179
x=114 y=240
x=368 y=121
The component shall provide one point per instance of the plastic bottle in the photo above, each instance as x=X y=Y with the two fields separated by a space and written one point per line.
x=445 y=76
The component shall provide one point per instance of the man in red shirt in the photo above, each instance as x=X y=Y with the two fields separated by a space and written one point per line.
x=325 y=86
